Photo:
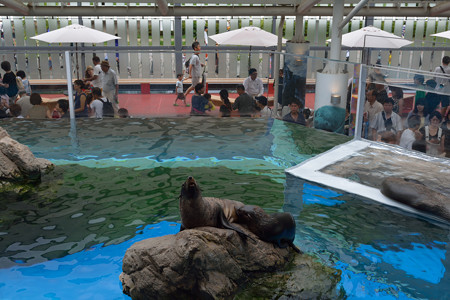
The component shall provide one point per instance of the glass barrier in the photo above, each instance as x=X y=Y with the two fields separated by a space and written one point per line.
x=327 y=92
x=407 y=108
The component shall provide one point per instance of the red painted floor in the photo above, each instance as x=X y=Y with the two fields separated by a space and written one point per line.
x=144 y=105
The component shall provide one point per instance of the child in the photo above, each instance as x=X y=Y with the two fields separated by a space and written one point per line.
x=179 y=91
x=410 y=135
x=265 y=110
x=210 y=106
x=123 y=113
x=25 y=81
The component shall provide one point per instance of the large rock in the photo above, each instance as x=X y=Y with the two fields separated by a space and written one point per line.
x=212 y=263
x=17 y=162
x=199 y=263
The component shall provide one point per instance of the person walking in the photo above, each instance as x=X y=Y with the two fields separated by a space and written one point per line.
x=443 y=82
x=110 y=85
x=195 y=68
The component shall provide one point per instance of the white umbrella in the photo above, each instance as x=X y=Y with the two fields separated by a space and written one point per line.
x=372 y=37
x=247 y=36
x=74 y=34
x=444 y=34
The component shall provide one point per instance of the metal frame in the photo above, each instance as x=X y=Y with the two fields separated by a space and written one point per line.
x=406 y=8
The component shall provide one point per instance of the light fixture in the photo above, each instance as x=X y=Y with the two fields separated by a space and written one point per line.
x=335 y=99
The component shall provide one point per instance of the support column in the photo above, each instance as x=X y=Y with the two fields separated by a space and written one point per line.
x=331 y=82
x=178 y=46
x=295 y=68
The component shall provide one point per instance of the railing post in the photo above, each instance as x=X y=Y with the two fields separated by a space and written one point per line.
x=361 y=101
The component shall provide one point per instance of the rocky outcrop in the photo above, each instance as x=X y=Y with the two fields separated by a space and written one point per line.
x=201 y=263
x=17 y=162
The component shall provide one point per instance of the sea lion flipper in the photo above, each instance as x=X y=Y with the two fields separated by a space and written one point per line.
x=296 y=249
x=223 y=221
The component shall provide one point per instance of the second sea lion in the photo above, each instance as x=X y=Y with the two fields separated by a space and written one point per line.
x=277 y=228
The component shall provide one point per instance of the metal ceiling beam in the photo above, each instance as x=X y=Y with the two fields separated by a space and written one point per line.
x=354 y=11
x=110 y=11
x=440 y=8
x=306 y=5
x=17 y=6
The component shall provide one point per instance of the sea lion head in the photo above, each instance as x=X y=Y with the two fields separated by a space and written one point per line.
x=190 y=189
x=246 y=213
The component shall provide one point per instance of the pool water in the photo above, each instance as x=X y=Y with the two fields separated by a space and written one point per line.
x=117 y=182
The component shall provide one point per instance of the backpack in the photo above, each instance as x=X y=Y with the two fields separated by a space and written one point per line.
x=186 y=65
x=108 y=110
x=19 y=83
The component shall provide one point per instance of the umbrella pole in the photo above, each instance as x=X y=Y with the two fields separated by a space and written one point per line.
x=76 y=58
x=249 y=58
x=69 y=85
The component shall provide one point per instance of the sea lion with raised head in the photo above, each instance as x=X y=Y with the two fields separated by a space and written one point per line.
x=277 y=228
x=198 y=211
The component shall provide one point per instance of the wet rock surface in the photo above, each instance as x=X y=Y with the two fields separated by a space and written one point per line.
x=212 y=263
x=18 y=164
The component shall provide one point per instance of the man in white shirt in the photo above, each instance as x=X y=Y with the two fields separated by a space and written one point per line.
x=371 y=108
x=443 y=82
x=24 y=102
x=253 y=85
x=98 y=73
x=387 y=120
x=110 y=85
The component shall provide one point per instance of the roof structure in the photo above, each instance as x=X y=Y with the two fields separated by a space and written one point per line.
x=387 y=8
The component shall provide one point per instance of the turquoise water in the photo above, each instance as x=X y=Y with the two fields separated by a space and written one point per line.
x=116 y=182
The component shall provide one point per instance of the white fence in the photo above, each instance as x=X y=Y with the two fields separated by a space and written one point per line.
x=139 y=32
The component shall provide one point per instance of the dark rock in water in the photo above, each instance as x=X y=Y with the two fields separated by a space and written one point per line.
x=17 y=162
x=416 y=195
x=330 y=118
x=200 y=263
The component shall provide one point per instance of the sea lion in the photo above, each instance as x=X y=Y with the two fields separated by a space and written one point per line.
x=198 y=211
x=277 y=228
x=415 y=194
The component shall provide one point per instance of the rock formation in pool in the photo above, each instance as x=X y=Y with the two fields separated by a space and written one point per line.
x=417 y=195
x=213 y=263
x=18 y=164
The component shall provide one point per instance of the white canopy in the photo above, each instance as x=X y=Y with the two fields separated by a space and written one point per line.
x=247 y=36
